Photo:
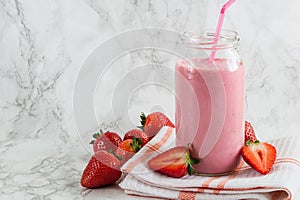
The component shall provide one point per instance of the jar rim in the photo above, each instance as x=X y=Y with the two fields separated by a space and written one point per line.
x=227 y=39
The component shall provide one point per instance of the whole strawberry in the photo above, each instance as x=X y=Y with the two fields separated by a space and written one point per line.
x=137 y=134
x=103 y=169
x=108 y=141
x=259 y=155
x=175 y=162
x=249 y=133
x=152 y=123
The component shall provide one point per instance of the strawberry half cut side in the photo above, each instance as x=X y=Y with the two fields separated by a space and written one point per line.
x=175 y=162
x=259 y=155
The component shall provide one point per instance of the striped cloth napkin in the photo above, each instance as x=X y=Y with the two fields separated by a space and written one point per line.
x=244 y=183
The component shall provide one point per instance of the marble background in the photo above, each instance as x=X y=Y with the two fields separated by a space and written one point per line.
x=43 y=45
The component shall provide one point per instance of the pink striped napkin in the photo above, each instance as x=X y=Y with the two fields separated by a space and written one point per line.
x=245 y=183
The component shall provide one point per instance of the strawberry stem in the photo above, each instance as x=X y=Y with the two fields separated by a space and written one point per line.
x=194 y=161
x=96 y=135
x=190 y=161
x=136 y=144
x=248 y=142
x=143 y=121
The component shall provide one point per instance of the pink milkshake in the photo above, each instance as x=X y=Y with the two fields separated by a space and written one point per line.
x=210 y=112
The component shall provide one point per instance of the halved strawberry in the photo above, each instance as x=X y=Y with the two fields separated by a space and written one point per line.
x=137 y=134
x=175 y=162
x=249 y=133
x=103 y=169
x=108 y=141
x=153 y=122
x=260 y=156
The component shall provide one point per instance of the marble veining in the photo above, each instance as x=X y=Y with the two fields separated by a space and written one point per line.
x=44 y=43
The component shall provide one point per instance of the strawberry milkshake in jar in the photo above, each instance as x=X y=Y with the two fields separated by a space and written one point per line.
x=210 y=95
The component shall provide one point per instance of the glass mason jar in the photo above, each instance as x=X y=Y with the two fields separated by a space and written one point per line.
x=210 y=95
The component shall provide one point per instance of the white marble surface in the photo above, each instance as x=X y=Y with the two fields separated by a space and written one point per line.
x=43 y=45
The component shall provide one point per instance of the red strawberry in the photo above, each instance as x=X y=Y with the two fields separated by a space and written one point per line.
x=108 y=141
x=102 y=169
x=175 y=162
x=260 y=156
x=249 y=133
x=153 y=122
x=137 y=134
x=128 y=148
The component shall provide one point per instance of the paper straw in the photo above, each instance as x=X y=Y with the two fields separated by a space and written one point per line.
x=218 y=29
